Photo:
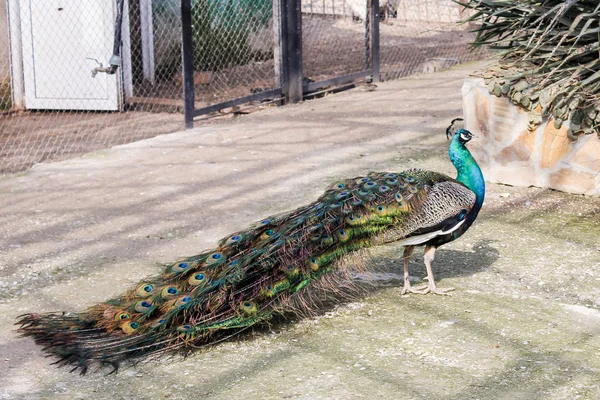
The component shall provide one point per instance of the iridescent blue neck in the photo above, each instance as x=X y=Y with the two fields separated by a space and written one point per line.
x=469 y=172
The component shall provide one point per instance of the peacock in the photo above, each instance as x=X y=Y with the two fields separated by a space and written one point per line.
x=272 y=268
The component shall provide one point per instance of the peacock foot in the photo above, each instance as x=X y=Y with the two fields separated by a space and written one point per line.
x=409 y=289
x=434 y=289
x=426 y=289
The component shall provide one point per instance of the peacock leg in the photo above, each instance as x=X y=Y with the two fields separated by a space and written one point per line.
x=428 y=257
x=408 y=250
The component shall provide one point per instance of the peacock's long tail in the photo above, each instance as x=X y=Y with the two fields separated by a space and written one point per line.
x=271 y=268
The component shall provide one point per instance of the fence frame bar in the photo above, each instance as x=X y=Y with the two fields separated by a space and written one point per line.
x=187 y=62
x=265 y=94
x=291 y=50
x=375 y=48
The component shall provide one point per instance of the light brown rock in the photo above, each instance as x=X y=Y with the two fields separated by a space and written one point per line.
x=587 y=152
x=556 y=145
x=569 y=180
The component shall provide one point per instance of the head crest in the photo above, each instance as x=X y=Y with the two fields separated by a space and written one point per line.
x=455 y=125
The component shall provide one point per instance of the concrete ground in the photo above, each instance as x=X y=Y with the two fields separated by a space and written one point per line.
x=523 y=323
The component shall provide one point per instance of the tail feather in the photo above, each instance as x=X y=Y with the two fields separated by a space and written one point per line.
x=274 y=267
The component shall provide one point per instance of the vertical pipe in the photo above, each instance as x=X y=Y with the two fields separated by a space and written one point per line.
x=375 y=56
x=277 y=43
x=187 y=62
x=16 y=55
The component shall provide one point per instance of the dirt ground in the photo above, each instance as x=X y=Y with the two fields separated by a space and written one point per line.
x=523 y=322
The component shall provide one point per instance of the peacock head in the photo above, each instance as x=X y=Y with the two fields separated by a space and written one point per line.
x=464 y=136
x=456 y=130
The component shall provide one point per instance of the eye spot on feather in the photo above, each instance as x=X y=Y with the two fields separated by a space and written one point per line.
x=122 y=316
x=381 y=210
x=391 y=176
x=130 y=327
x=185 y=329
x=215 y=258
x=197 y=279
x=340 y=185
x=265 y=221
x=182 y=301
x=356 y=202
x=398 y=197
x=362 y=180
x=392 y=182
x=408 y=179
x=313 y=263
x=342 y=195
x=383 y=189
x=248 y=307
x=267 y=234
x=413 y=189
x=326 y=240
x=158 y=323
x=144 y=290
x=335 y=205
x=342 y=235
x=354 y=219
x=290 y=270
x=180 y=267
x=370 y=185
x=169 y=291
x=143 y=306
x=234 y=239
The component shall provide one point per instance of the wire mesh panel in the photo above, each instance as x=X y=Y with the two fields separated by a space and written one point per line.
x=57 y=99
x=155 y=46
x=66 y=88
x=233 y=49
x=334 y=37
x=422 y=37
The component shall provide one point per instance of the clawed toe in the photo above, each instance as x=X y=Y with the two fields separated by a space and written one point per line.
x=435 y=290
x=426 y=289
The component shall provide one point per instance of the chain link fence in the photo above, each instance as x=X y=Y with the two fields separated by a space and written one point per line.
x=58 y=98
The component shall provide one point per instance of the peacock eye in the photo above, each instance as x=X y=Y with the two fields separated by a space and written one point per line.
x=247 y=304
x=148 y=288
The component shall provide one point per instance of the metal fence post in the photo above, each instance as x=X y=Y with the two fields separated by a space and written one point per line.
x=375 y=60
x=291 y=50
x=187 y=62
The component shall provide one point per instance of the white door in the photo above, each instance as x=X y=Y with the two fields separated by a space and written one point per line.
x=62 y=39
